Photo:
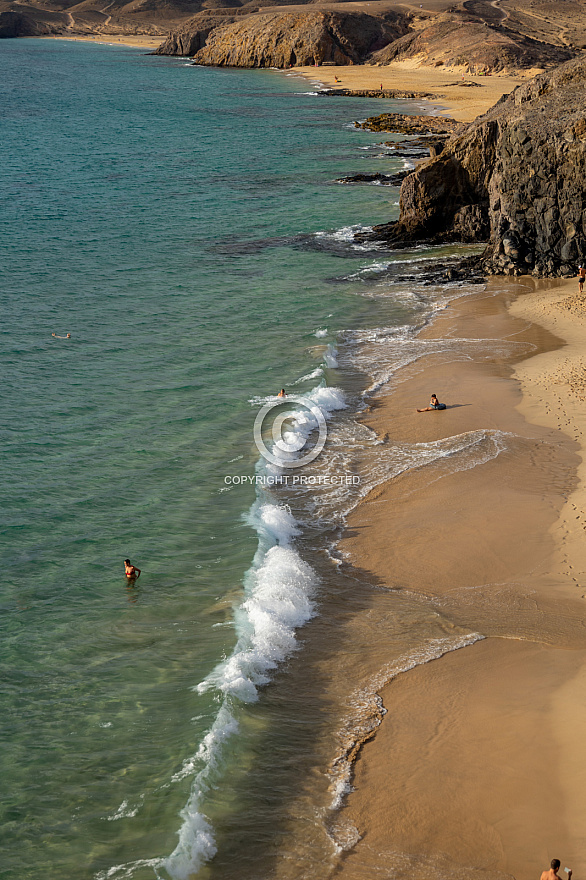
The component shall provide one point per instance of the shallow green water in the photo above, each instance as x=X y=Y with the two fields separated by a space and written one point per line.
x=165 y=216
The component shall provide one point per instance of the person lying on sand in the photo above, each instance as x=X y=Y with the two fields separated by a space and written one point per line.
x=131 y=572
x=61 y=337
x=433 y=404
x=552 y=874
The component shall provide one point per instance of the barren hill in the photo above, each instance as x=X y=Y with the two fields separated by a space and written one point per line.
x=479 y=35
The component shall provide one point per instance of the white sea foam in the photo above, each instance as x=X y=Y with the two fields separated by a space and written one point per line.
x=315 y=374
x=331 y=357
x=345 y=233
x=384 y=351
x=321 y=333
x=125 y=811
x=345 y=236
x=303 y=420
x=279 y=591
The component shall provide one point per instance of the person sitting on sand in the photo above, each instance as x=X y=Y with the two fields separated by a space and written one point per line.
x=282 y=393
x=433 y=404
x=131 y=572
x=61 y=337
x=581 y=277
x=552 y=874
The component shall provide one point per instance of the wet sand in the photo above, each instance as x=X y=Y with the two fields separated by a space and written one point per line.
x=478 y=779
x=477 y=768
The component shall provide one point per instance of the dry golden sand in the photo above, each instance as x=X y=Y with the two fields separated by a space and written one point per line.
x=141 y=42
x=477 y=768
x=554 y=395
x=462 y=102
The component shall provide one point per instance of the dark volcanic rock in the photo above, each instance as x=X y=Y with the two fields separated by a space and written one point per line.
x=374 y=93
x=384 y=179
x=418 y=147
x=516 y=177
x=404 y=124
x=192 y=36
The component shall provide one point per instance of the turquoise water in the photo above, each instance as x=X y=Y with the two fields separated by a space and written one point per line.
x=181 y=223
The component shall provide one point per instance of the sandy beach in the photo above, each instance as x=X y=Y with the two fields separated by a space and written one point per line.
x=476 y=768
x=462 y=97
x=138 y=42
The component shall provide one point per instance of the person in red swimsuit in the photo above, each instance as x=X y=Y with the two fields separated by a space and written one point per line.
x=131 y=572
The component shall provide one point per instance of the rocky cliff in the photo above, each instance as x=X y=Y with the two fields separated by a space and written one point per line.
x=285 y=39
x=192 y=36
x=516 y=177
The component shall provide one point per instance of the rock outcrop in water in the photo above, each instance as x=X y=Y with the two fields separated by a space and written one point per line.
x=286 y=39
x=403 y=124
x=516 y=177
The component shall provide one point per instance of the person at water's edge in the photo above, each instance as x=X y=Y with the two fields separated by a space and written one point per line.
x=433 y=404
x=552 y=874
x=131 y=572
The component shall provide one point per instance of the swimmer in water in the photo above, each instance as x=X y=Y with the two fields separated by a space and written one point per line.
x=61 y=337
x=282 y=393
x=131 y=572
x=433 y=404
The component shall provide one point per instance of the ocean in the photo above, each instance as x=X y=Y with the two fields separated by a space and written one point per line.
x=184 y=225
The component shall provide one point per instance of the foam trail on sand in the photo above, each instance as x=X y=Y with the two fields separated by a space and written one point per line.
x=366 y=714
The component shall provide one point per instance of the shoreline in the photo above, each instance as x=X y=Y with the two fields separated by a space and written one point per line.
x=508 y=557
x=463 y=102
x=138 y=42
x=456 y=753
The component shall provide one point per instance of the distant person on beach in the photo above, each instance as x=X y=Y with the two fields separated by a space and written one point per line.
x=581 y=277
x=282 y=393
x=433 y=404
x=61 y=337
x=131 y=572
x=552 y=874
